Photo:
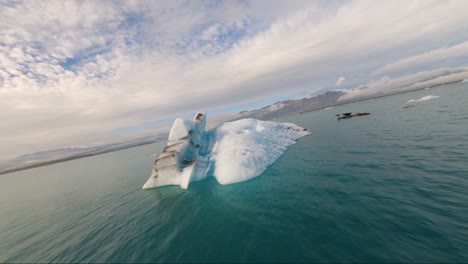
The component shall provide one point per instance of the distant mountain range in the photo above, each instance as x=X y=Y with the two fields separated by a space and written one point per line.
x=47 y=157
x=328 y=99
x=290 y=107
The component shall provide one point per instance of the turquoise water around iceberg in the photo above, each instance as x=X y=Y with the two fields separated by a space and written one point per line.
x=389 y=187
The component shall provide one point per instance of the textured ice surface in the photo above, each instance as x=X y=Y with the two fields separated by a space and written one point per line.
x=243 y=149
x=180 y=129
x=231 y=152
x=424 y=98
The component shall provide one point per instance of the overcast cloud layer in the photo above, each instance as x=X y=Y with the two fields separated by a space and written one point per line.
x=74 y=72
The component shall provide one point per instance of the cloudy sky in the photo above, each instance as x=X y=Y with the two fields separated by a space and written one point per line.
x=75 y=73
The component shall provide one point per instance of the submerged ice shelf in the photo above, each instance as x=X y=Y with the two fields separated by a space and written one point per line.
x=232 y=152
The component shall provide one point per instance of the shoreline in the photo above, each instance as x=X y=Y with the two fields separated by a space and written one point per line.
x=79 y=156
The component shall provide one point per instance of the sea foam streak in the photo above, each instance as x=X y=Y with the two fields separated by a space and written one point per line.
x=424 y=98
x=232 y=152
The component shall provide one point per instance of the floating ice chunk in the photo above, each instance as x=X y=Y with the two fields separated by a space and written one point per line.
x=245 y=148
x=424 y=98
x=175 y=164
x=232 y=152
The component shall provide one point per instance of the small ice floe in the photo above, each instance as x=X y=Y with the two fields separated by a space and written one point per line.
x=424 y=98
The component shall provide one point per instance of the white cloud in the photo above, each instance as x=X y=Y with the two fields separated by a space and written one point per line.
x=410 y=82
x=71 y=71
x=428 y=58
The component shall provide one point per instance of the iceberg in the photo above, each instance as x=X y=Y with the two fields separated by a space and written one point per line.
x=424 y=98
x=231 y=152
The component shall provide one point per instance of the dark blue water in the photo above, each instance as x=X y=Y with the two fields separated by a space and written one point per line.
x=389 y=187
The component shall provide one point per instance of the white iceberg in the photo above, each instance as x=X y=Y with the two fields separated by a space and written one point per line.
x=231 y=152
x=424 y=98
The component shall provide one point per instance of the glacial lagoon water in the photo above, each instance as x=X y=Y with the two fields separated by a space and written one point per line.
x=389 y=187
